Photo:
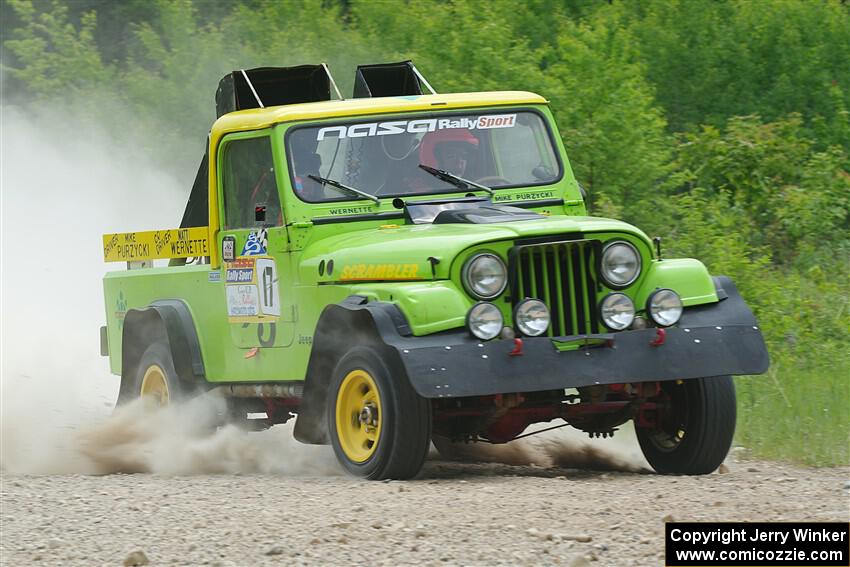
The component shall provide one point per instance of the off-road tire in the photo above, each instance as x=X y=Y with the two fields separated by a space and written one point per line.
x=703 y=409
x=405 y=418
x=157 y=354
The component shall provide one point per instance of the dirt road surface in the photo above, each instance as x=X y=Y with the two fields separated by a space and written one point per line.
x=454 y=514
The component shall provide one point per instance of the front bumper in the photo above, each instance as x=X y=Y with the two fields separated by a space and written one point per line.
x=716 y=339
x=475 y=368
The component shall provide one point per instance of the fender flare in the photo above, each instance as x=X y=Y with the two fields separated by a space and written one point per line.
x=352 y=322
x=168 y=320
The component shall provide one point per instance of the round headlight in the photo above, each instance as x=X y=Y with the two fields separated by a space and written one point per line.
x=485 y=276
x=484 y=321
x=665 y=307
x=620 y=264
x=617 y=311
x=532 y=317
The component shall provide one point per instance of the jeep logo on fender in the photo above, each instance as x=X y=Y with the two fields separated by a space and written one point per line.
x=417 y=126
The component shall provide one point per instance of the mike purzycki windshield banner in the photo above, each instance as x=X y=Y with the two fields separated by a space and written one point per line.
x=417 y=126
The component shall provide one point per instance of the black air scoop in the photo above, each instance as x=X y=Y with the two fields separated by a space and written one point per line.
x=488 y=214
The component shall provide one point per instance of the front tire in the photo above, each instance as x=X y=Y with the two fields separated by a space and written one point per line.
x=380 y=428
x=695 y=432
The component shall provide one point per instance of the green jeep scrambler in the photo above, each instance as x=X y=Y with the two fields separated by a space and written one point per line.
x=401 y=267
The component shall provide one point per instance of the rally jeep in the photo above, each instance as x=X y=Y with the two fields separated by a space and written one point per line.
x=399 y=267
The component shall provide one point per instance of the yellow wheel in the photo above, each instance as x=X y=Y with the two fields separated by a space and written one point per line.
x=153 y=378
x=155 y=385
x=378 y=425
x=358 y=415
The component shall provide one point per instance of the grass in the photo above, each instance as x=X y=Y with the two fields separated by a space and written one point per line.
x=797 y=412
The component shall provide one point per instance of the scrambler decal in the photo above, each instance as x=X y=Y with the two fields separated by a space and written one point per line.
x=252 y=289
x=380 y=272
x=417 y=126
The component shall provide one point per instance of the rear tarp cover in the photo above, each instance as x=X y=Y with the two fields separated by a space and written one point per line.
x=274 y=86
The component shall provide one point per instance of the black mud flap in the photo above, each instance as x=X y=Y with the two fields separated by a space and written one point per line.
x=167 y=319
x=353 y=322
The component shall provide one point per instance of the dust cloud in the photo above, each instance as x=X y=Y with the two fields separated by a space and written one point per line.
x=561 y=448
x=63 y=183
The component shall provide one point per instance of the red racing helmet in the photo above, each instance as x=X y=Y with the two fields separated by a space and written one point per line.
x=431 y=140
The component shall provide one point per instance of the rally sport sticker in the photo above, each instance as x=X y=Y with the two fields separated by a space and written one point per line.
x=417 y=126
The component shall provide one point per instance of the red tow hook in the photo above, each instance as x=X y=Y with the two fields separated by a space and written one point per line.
x=517 y=348
x=660 y=336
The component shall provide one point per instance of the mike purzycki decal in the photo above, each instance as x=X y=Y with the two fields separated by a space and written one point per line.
x=417 y=126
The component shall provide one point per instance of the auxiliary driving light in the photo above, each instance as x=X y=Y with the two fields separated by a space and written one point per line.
x=484 y=321
x=532 y=317
x=617 y=311
x=665 y=307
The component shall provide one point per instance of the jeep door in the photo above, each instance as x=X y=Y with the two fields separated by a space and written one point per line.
x=253 y=243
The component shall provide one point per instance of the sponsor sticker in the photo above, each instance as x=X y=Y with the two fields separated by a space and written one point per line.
x=239 y=275
x=392 y=127
x=228 y=248
x=242 y=301
x=253 y=290
x=256 y=244
x=120 y=309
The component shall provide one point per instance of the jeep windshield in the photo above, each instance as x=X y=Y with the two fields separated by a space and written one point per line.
x=382 y=157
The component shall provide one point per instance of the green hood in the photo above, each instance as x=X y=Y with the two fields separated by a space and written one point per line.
x=405 y=246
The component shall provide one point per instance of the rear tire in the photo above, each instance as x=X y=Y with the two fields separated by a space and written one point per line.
x=154 y=377
x=696 y=433
x=380 y=428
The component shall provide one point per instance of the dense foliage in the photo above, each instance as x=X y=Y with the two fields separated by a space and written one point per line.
x=722 y=126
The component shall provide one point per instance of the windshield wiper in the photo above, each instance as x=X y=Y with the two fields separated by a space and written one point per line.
x=338 y=185
x=455 y=180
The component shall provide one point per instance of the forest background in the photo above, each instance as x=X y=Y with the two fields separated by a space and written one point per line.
x=722 y=126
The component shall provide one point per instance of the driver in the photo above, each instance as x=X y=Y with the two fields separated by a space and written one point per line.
x=451 y=150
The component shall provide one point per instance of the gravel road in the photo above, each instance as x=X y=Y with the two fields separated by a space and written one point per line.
x=455 y=513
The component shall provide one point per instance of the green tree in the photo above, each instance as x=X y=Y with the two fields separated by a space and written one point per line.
x=710 y=60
